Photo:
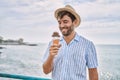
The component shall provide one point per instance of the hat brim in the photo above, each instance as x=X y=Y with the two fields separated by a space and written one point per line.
x=71 y=11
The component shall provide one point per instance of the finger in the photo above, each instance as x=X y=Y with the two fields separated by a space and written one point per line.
x=54 y=48
x=54 y=51
x=54 y=45
x=58 y=46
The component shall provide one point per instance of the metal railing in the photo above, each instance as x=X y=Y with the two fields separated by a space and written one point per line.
x=22 y=77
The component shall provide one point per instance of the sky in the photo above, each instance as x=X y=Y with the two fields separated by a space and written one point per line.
x=34 y=21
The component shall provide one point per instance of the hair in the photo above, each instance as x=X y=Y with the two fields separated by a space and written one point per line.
x=63 y=13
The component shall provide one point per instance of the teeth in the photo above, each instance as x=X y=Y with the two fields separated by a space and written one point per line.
x=64 y=29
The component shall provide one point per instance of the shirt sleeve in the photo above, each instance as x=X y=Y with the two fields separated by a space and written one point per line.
x=91 y=57
x=46 y=54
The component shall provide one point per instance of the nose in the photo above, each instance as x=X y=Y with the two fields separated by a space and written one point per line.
x=62 y=24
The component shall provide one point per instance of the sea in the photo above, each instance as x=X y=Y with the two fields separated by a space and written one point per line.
x=27 y=60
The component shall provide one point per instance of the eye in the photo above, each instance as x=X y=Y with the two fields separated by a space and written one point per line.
x=65 y=21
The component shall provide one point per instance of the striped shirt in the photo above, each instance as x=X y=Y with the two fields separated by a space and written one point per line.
x=73 y=58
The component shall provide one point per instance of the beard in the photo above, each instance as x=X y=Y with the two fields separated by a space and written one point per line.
x=66 y=31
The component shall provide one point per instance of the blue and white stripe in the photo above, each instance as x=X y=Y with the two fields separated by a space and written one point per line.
x=73 y=58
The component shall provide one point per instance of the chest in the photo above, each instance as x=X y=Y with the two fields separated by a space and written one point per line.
x=71 y=53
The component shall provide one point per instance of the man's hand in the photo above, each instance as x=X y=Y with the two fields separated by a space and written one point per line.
x=54 y=49
x=48 y=65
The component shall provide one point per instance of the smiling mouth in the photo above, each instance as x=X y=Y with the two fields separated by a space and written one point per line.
x=64 y=29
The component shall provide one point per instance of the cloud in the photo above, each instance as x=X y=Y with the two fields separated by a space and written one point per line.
x=34 y=20
x=77 y=1
x=96 y=11
x=108 y=1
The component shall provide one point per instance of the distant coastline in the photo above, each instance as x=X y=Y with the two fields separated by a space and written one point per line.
x=20 y=41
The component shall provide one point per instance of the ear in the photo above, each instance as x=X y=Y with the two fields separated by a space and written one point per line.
x=74 y=22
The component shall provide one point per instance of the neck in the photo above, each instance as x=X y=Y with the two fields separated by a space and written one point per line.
x=69 y=37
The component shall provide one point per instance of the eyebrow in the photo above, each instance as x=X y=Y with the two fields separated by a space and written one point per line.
x=63 y=20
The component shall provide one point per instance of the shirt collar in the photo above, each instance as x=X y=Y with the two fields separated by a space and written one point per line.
x=76 y=38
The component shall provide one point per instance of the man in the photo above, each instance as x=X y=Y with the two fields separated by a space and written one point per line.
x=69 y=59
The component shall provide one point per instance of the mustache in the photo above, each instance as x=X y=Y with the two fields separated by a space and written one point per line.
x=63 y=28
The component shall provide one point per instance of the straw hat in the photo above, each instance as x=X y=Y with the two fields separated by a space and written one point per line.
x=71 y=10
